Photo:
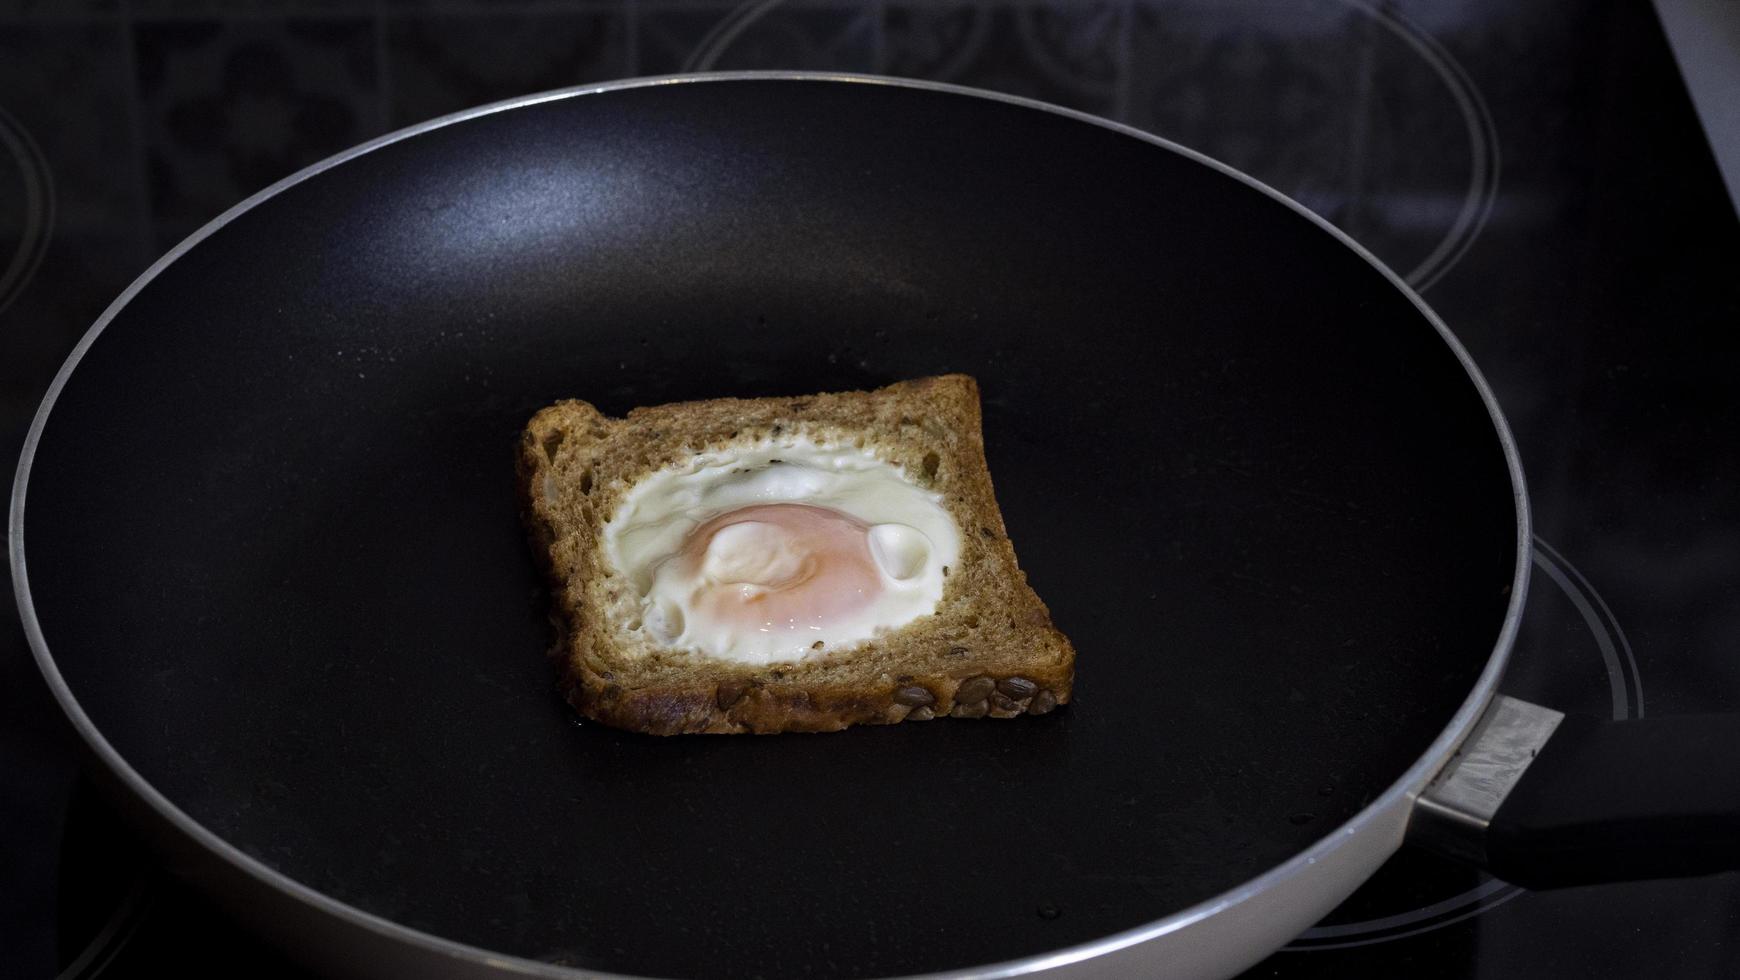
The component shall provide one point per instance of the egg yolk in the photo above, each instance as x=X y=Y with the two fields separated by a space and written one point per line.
x=781 y=567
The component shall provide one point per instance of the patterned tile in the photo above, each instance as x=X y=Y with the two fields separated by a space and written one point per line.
x=690 y=37
x=1070 y=54
x=620 y=8
x=72 y=218
x=1272 y=90
x=52 y=74
x=231 y=106
x=1328 y=101
x=245 y=8
x=56 y=9
x=440 y=64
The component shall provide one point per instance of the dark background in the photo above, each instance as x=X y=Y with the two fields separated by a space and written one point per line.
x=1536 y=168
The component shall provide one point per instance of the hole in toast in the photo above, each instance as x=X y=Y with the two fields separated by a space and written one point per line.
x=586 y=481
x=721 y=489
x=928 y=467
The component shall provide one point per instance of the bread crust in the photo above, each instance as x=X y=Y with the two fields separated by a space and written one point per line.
x=989 y=651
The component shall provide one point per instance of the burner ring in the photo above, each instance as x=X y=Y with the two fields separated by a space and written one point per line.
x=713 y=44
x=1625 y=686
x=1481 y=131
x=1484 y=161
x=123 y=923
x=38 y=217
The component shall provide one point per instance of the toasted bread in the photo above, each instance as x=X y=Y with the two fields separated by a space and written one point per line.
x=990 y=649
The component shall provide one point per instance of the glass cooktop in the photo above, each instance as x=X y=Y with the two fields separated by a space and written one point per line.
x=1536 y=170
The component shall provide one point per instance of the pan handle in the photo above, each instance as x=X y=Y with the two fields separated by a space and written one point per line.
x=1546 y=800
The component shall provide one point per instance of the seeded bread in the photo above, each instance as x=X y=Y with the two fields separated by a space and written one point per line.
x=989 y=651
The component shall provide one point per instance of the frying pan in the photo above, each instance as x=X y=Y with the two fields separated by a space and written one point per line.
x=265 y=545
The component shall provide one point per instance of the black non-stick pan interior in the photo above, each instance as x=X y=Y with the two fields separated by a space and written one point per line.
x=273 y=547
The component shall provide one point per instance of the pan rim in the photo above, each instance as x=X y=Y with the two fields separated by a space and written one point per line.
x=1399 y=793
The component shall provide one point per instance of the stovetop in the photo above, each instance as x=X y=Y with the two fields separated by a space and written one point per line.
x=1537 y=170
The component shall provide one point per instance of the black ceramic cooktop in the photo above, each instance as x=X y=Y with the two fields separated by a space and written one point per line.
x=1535 y=169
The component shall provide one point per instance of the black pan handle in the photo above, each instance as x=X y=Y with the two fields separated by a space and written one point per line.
x=1546 y=800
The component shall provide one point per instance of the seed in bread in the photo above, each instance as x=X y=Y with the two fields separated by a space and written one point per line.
x=785 y=564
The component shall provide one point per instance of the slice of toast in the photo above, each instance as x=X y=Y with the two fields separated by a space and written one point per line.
x=988 y=650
